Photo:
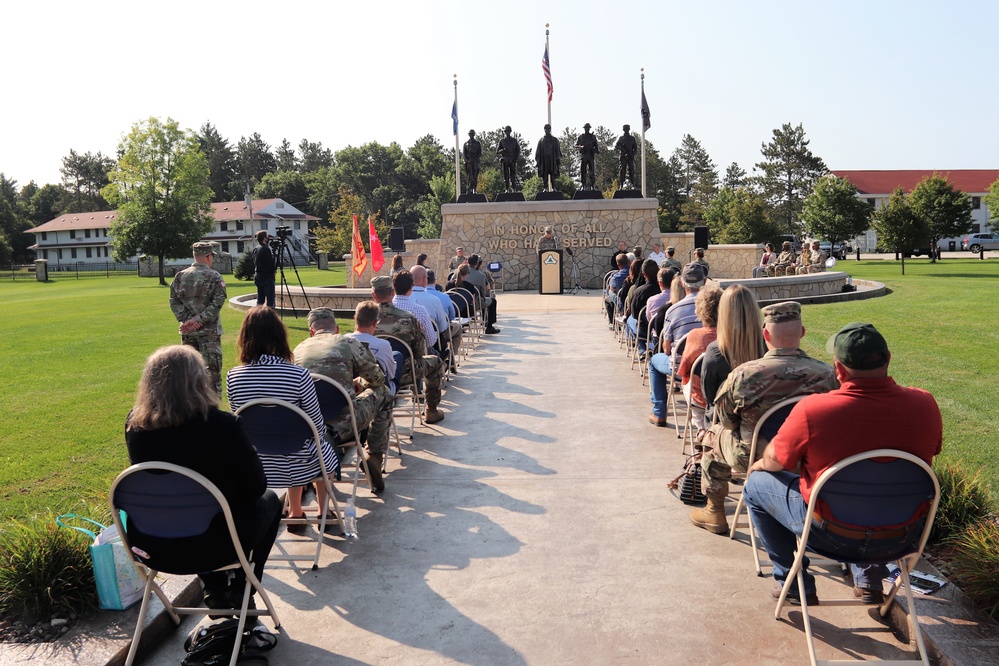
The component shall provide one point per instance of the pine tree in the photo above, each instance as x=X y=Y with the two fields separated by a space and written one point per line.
x=789 y=172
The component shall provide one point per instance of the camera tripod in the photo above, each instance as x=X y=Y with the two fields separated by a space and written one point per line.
x=280 y=246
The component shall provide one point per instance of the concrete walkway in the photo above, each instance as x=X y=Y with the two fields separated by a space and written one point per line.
x=533 y=526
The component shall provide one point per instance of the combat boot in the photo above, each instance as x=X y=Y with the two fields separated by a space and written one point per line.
x=433 y=415
x=375 y=472
x=712 y=517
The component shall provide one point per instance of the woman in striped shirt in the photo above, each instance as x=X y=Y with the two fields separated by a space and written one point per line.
x=268 y=371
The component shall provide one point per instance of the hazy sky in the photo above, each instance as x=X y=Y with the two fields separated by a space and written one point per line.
x=877 y=84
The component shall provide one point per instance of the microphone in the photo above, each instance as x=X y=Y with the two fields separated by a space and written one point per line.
x=568 y=251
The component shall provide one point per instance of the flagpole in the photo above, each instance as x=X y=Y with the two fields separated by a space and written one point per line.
x=548 y=51
x=457 y=169
x=643 y=132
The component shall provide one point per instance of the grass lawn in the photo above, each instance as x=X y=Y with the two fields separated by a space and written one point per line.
x=74 y=349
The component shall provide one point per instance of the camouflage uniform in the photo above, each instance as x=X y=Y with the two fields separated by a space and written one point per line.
x=785 y=262
x=702 y=263
x=752 y=389
x=199 y=293
x=670 y=262
x=816 y=263
x=401 y=324
x=546 y=243
x=343 y=358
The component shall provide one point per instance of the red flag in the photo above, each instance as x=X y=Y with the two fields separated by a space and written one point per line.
x=377 y=255
x=360 y=259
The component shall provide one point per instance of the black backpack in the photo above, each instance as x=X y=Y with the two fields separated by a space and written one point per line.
x=212 y=645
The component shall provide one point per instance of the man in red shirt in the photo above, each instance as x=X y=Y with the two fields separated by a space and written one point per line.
x=868 y=411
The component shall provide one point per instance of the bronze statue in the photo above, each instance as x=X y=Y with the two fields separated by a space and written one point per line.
x=586 y=144
x=548 y=156
x=472 y=151
x=509 y=152
x=627 y=145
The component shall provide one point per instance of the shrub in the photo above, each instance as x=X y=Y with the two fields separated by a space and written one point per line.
x=975 y=564
x=44 y=569
x=964 y=501
x=243 y=270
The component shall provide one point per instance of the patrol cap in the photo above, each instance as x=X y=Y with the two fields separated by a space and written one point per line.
x=381 y=282
x=459 y=249
x=202 y=248
x=317 y=314
x=671 y=249
x=786 y=244
x=548 y=230
x=781 y=312
x=859 y=346
x=693 y=273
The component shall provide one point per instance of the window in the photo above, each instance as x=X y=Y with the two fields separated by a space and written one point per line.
x=239 y=247
x=105 y=252
x=72 y=253
x=263 y=225
x=105 y=234
x=225 y=246
x=976 y=203
x=239 y=225
x=45 y=236
x=45 y=254
x=871 y=202
x=60 y=253
x=90 y=253
x=223 y=226
x=72 y=233
x=298 y=225
x=86 y=233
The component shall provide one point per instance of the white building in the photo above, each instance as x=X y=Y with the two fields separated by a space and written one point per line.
x=82 y=238
x=875 y=187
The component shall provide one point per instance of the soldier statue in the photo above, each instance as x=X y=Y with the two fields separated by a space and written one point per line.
x=472 y=152
x=627 y=145
x=548 y=156
x=509 y=152
x=586 y=144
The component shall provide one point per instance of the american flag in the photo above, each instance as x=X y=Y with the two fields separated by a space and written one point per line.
x=546 y=67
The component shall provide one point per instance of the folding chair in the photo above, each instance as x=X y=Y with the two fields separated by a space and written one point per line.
x=463 y=304
x=688 y=435
x=673 y=381
x=875 y=490
x=276 y=427
x=333 y=400
x=766 y=427
x=408 y=389
x=167 y=501
x=444 y=345
x=635 y=353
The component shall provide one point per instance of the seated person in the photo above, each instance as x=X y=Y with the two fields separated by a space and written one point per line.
x=769 y=256
x=365 y=321
x=346 y=360
x=176 y=419
x=638 y=300
x=268 y=371
x=749 y=391
x=699 y=259
x=481 y=282
x=816 y=261
x=786 y=263
x=739 y=340
x=822 y=430
x=614 y=286
x=706 y=309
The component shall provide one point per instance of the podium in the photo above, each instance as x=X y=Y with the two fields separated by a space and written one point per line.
x=550 y=272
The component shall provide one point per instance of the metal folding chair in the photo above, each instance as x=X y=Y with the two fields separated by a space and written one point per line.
x=878 y=489
x=277 y=427
x=170 y=502
x=410 y=396
x=333 y=400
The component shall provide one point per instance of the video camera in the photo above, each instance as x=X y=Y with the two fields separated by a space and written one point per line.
x=281 y=234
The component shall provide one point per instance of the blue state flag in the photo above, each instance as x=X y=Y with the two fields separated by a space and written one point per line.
x=454 y=117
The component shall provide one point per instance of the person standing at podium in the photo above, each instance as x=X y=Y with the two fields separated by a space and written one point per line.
x=548 y=241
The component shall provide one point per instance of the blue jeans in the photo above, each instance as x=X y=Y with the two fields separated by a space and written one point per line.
x=265 y=291
x=659 y=372
x=631 y=324
x=778 y=512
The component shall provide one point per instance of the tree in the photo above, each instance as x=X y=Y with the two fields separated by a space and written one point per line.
x=898 y=226
x=735 y=176
x=335 y=237
x=441 y=192
x=285 y=158
x=83 y=176
x=698 y=181
x=789 y=171
x=740 y=216
x=221 y=164
x=992 y=201
x=254 y=160
x=313 y=157
x=833 y=212
x=45 y=203
x=945 y=211
x=287 y=185
x=161 y=189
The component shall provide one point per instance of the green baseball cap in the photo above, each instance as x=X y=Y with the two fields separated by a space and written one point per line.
x=859 y=346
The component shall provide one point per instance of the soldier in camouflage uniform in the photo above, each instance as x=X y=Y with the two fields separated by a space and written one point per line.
x=197 y=295
x=348 y=362
x=785 y=262
x=670 y=261
x=547 y=241
x=401 y=324
x=785 y=371
x=699 y=259
x=816 y=261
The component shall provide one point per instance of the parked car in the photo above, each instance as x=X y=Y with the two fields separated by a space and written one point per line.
x=794 y=240
x=839 y=250
x=978 y=242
